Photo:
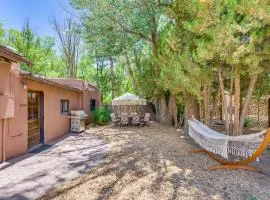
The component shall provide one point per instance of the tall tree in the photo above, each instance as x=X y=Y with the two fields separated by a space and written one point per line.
x=34 y=48
x=175 y=49
x=68 y=33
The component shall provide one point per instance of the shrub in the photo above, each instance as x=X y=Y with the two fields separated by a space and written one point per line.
x=248 y=122
x=101 y=116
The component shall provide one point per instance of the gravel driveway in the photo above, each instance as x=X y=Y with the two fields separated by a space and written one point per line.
x=32 y=175
x=153 y=163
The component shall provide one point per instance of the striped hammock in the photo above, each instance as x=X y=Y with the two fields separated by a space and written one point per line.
x=224 y=145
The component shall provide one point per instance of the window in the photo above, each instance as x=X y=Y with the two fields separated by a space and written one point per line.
x=92 y=105
x=64 y=106
x=33 y=105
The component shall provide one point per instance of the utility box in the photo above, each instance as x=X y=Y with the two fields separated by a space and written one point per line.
x=77 y=124
x=6 y=107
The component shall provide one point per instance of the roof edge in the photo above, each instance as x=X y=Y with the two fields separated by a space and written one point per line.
x=79 y=80
x=49 y=82
x=12 y=55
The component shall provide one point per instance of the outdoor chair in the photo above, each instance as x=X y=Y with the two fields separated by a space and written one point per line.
x=124 y=120
x=114 y=119
x=146 y=118
x=135 y=119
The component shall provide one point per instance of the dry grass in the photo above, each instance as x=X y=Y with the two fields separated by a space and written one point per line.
x=153 y=163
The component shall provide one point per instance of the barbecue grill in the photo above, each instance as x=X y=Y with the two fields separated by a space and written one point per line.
x=77 y=124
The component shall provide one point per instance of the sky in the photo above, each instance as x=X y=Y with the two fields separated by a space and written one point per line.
x=14 y=13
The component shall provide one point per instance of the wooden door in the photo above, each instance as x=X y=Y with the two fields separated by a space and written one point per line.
x=33 y=119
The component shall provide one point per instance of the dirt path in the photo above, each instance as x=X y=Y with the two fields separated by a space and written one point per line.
x=153 y=163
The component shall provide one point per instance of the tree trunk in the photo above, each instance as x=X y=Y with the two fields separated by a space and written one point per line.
x=181 y=114
x=163 y=111
x=231 y=103
x=216 y=100
x=258 y=111
x=191 y=109
x=223 y=100
x=131 y=74
x=173 y=110
x=251 y=86
x=236 y=102
x=112 y=78
x=206 y=104
x=201 y=108
x=156 y=103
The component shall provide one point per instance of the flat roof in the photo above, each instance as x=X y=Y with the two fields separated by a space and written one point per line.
x=12 y=55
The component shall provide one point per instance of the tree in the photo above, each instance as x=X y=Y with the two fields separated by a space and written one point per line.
x=34 y=48
x=86 y=70
x=177 y=52
x=117 y=26
x=2 y=33
x=69 y=35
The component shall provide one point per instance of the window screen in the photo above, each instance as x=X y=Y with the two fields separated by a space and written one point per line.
x=64 y=106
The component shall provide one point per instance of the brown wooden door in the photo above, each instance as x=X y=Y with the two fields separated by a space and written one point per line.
x=33 y=119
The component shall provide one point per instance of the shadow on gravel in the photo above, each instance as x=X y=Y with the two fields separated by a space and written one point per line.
x=153 y=163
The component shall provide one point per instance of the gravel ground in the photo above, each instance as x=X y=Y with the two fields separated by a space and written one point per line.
x=153 y=163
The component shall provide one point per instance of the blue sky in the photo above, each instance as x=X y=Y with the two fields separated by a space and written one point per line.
x=14 y=13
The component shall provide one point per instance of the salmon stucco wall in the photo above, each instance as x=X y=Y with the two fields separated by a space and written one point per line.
x=87 y=96
x=13 y=124
x=14 y=110
x=90 y=92
x=55 y=123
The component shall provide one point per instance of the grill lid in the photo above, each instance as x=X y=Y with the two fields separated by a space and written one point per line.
x=78 y=113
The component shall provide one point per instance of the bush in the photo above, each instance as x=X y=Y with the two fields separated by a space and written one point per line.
x=248 y=122
x=101 y=116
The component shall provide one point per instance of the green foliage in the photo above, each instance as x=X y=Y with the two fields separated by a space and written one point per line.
x=174 y=46
x=34 y=48
x=2 y=33
x=159 y=47
x=101 y=116
x=40 y=51
x=248 y=122
x=86 y=70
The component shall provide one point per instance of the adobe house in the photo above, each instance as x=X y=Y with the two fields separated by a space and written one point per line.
x=35 y=110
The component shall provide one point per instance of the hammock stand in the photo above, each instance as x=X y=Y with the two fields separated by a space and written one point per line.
x=242 y=164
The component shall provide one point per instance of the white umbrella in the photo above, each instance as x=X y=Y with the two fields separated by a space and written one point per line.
x=128 y=99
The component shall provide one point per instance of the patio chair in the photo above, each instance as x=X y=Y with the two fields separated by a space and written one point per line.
x=124 y=120
x=114 y=119
x=146 y=118
x=135 y=119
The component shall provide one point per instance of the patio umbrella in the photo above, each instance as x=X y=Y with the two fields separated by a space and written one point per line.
x=128 y=99
x=128 y=103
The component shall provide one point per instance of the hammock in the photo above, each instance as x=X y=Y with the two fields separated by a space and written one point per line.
x=214 y=143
